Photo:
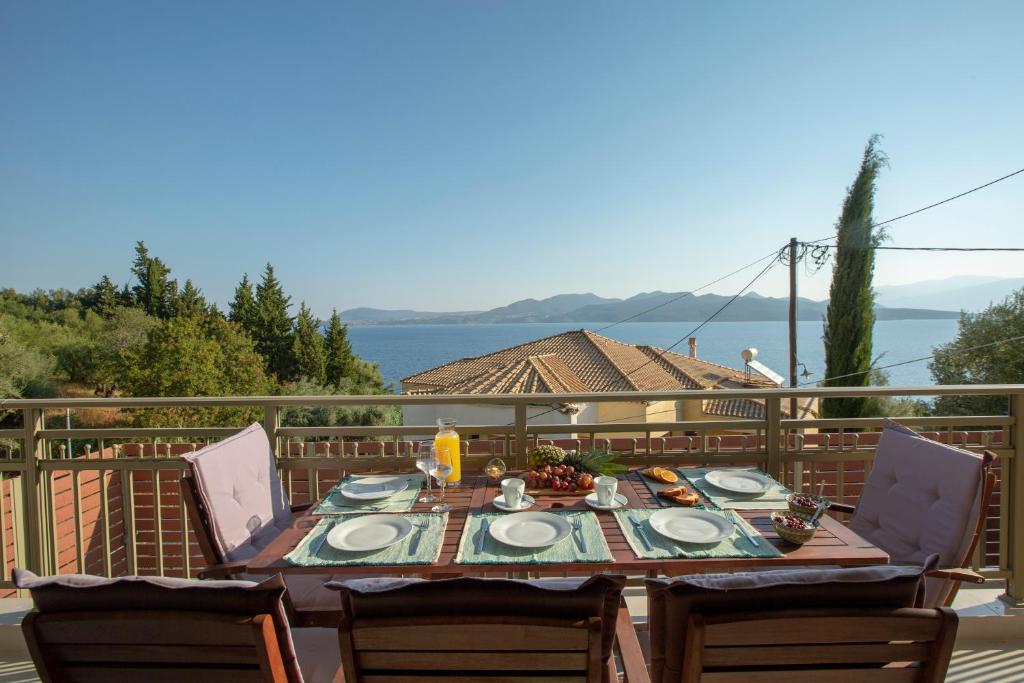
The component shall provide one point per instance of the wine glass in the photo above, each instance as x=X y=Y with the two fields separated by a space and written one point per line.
x=495 y=469
x=426 y=459
x=441 y=470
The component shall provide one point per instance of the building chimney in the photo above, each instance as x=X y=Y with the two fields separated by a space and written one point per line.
x=693 y=347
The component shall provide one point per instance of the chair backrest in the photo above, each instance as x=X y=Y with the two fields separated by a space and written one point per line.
x=871 y=645
x=922 y=498
x=87 y=628
x=472 y=628
x=240 y=494
x=199 y=520
x=672 y=601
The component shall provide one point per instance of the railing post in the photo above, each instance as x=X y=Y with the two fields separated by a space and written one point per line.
x=32 y=518
x=271 y=422
x=773 y=432
x=1012 y=490
x=521 y=454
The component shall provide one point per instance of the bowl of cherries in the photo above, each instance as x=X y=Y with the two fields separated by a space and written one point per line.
x=794 y=527
x=563 y=478
x=805 y=503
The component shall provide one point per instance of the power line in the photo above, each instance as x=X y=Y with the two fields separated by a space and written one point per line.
x=690 y=293
x=939 y=203
x=836 y=246
x=914 y=360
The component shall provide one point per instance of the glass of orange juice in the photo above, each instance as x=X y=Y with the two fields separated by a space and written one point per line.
x=447 y=440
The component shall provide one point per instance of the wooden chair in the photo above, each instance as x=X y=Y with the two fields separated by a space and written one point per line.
x=153 y=629
x=380 y=640
x=909 y=474
x=225 y=528
x=154 y=646
x=905 y=645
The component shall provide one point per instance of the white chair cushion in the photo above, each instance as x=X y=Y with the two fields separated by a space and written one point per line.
x=921 y=498
x=238 y=482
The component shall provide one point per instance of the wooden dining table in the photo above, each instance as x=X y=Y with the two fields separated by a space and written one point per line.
x=833 y=544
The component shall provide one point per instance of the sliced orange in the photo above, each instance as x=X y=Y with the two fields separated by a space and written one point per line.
x=663 y=475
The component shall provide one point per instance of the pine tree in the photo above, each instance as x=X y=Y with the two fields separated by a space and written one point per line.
x=152 y=293
x=339 y=351
x=273 y=331
x=105 y=297
x=243 y=307
x=190 y=301
x=850 y=317
x=308 y=347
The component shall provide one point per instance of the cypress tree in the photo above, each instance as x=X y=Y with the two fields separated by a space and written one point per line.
x=339 y=350
x=243 y=307
x=273 y=325
x=850 y=317
x=308 y=347
x=105 y=299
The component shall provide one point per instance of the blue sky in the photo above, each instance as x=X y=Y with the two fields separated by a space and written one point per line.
x=534 y=147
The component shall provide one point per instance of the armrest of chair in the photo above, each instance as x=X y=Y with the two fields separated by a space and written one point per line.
x=222 y=571
x=841 y=507
x=634 y=665
x=301 y=507
x=958 y=574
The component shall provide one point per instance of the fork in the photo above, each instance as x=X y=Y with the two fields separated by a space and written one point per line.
x=577 y=525
x=415 y=543
x=323 y=539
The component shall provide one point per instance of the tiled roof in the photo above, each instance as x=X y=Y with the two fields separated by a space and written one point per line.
x=579 y=360
x=752 y=408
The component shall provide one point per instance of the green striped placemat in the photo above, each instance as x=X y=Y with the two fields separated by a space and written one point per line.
x=773 y=499
x=662 y=548
x=422 y=546
x=335 y=502
x=567 y=550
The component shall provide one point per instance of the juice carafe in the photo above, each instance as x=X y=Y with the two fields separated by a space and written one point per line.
x=447 y=444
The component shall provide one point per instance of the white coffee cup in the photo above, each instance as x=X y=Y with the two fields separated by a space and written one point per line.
x=512 y=489
x=605 y=488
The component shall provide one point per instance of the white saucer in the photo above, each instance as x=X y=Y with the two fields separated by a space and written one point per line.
x=527 y=503
x=620 y=501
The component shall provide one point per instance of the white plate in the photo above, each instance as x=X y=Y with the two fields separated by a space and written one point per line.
x=527 y=503
x=691 y=526
x=530 y=529
x=620 y=501
x=371 y=532
x=746 y=482
x=374 y=488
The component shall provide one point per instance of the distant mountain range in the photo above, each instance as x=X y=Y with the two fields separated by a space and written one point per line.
x=964 y=292
x=668 y=307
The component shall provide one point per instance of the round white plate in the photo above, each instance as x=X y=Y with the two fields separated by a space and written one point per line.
x=739 y=481
x=499 y=502
x=371 y=532
x=691 y=526
x=530 y=529
x=374 y=488
x=620 y=501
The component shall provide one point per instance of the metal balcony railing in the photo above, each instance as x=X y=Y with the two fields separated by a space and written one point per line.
x=107 y=500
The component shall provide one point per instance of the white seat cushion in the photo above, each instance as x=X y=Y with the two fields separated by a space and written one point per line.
x=921 y=498
x=238 y=482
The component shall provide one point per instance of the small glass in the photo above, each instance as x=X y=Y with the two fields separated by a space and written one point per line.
x=441 y=470
x=495 y=469
x=426 y=460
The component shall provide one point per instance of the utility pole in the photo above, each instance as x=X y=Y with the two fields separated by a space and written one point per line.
x=792 y=323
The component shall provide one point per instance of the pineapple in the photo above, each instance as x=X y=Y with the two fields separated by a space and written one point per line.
x=596 y=461
x=546 y=455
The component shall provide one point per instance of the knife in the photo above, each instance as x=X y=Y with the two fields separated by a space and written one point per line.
x=483 y=535
x=640 y=532
x=746 y=532
x=415 y=543
x=323 y=539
